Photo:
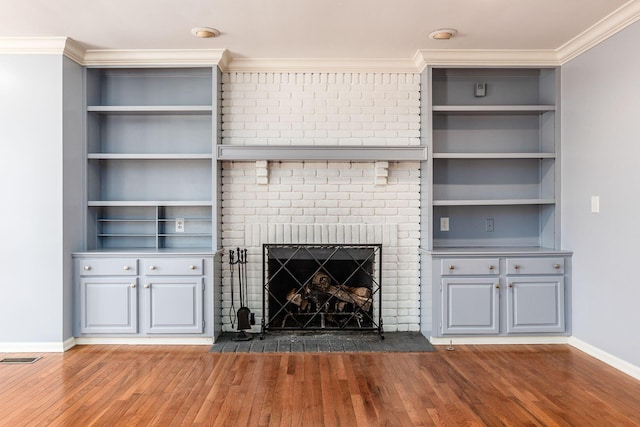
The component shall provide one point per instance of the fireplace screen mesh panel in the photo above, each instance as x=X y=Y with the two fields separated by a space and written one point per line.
x=322 y=287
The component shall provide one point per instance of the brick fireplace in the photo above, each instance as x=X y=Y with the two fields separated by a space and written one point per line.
x=319 y=201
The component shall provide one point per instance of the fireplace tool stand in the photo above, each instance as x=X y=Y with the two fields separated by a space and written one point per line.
x=243 y=314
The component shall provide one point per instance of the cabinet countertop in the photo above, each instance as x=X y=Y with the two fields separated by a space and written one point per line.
x=499 y=251
x=144 y=253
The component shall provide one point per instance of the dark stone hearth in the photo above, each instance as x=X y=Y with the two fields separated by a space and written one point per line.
x=324 y=343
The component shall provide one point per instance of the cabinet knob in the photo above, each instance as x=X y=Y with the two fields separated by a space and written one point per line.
x=451 y=267
x=133 y=285
x=87 y=267
x=152 y=267
x=147 y=286
x=517 y=267
x=511 y=285
x=556 y=266
x=497 y=286
x=491 y=267
x=126 y=268
x=192 y=267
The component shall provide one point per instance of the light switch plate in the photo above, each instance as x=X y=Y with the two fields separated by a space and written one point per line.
x=444 y=223
x=595 y=204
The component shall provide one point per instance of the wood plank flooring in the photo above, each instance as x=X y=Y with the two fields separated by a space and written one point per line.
x=545 y=385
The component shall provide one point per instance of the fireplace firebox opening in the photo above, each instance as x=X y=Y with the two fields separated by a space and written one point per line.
x=322 y=287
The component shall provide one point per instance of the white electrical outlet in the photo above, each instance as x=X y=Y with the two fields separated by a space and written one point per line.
x=595 y=204
x=179 y=225
x=444 y=223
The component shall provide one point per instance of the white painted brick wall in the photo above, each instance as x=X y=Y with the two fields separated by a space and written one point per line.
x=321 y=108
x=324 y=202
x=327 y=202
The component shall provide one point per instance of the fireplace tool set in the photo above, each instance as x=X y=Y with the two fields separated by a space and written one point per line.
x=244 y=316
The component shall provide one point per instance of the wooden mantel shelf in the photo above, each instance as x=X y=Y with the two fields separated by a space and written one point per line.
x=308 y=152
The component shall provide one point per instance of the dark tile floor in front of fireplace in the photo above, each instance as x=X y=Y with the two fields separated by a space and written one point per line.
x=312 y=342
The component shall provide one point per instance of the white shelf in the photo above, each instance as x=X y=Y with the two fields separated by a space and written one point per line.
x=185 y=235
x=497 y=202
x=493 y=108
x=151 y=156
x=115 y=203
x=150 y=109
x=125 y=235
x=494 y=155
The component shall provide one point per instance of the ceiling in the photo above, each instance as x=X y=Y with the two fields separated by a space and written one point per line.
x=304 y=29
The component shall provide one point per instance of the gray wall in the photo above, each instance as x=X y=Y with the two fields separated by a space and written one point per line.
x=601 y=157
x=34 y=276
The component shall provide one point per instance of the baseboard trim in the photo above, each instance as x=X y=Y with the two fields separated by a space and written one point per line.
x=144 y=341
x=499 y=340
x=605 y=357
x=37 y=347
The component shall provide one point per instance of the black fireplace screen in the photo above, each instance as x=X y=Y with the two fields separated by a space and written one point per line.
x=307 y=287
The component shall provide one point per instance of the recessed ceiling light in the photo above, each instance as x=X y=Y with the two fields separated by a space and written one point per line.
x=443 y=34
x=205 y=32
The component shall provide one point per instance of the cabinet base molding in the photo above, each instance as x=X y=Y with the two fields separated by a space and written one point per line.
x=499 y=340
x=608 y=358
x=144 y=340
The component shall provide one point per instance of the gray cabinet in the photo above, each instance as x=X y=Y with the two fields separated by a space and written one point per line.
x=108 y=305
x=174 y=305
x=173 y=293
x=168 y=294
x=499 y=295
x=470 y=305
x=535 y=295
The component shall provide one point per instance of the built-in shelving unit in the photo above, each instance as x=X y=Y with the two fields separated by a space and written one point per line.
x=149 y=158
x=494 y=169
x=491 y=225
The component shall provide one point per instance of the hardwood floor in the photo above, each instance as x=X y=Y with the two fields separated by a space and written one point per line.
x=186 y=385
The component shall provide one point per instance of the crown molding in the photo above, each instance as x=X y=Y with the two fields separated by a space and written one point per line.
x=74 y=51
x=154 y=57
x=485 y=57
x=33 y=45
x=370 y=65
x=616 y=21
x=600 y=31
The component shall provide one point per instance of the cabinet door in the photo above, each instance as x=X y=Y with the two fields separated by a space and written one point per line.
x=535 y=304
x=470 y=305
x=174 y=305
x=108 y=305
